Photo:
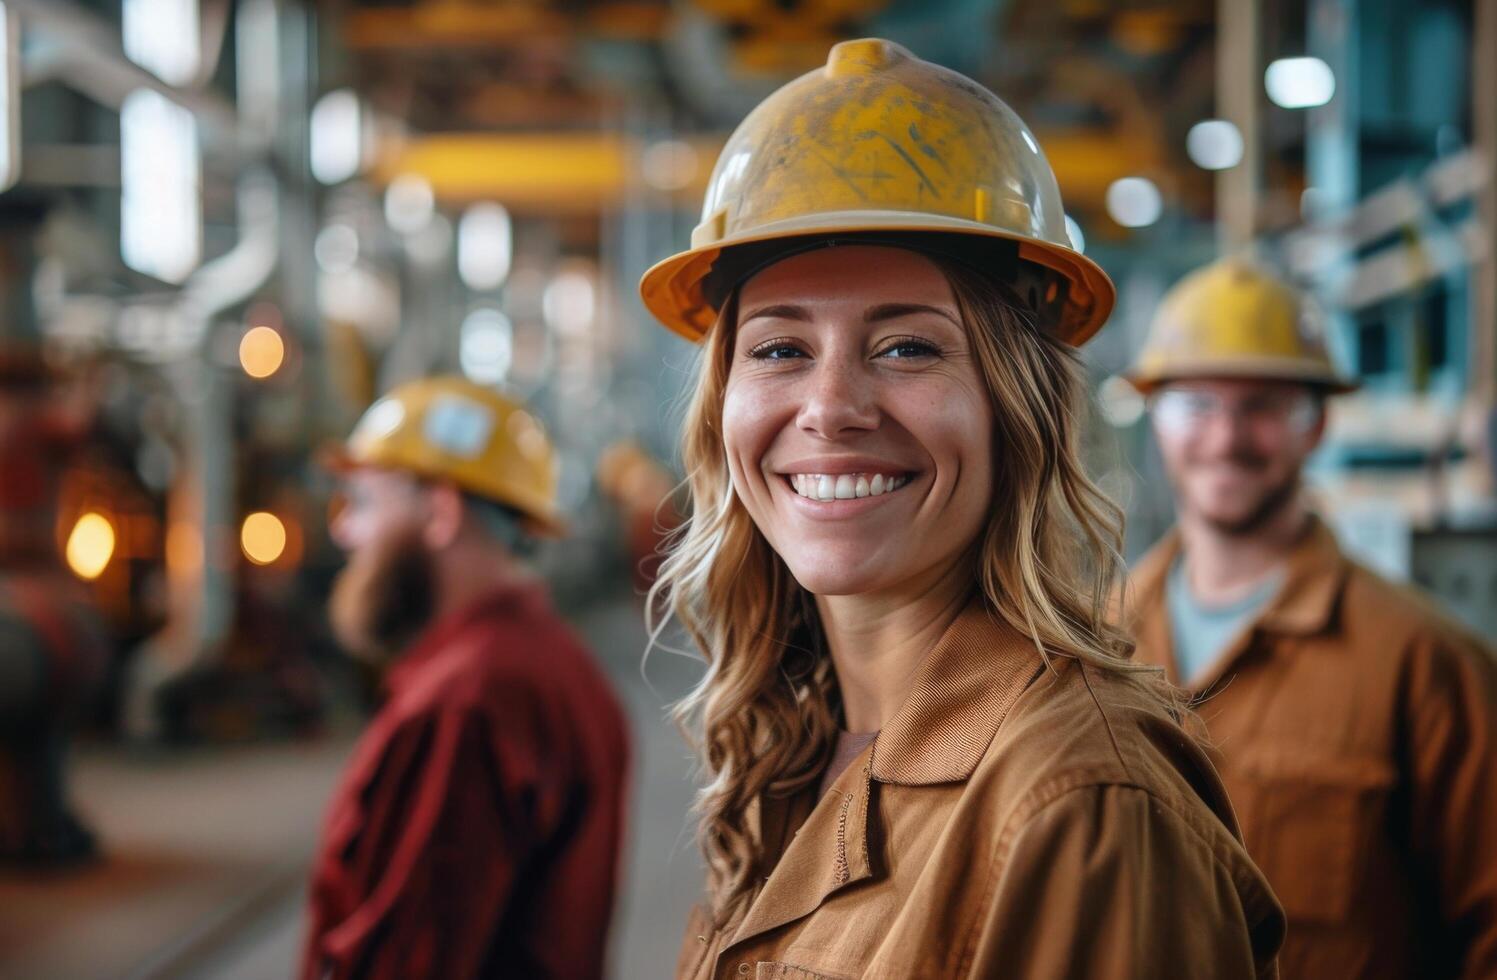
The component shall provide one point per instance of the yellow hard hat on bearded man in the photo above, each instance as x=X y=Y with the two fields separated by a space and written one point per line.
x=880 y=147
x=449 y=428
x=1234 y=318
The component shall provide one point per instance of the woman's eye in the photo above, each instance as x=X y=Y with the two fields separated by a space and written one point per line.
x=908 y=348
x=775 y=350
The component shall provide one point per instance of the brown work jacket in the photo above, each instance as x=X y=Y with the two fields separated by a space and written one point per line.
x=1011 y=821
x=1357 y=732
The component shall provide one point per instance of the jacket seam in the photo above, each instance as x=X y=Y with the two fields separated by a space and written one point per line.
x=1106 y=723
x=1037 y=800
x=840 y=869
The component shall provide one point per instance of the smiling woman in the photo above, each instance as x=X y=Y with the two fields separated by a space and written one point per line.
x=865 y=378
x=928 y=750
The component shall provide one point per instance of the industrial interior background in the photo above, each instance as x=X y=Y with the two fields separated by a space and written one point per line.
x=227 y=225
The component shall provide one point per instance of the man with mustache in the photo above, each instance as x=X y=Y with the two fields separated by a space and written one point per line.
x=476 y=830
x=1357 y=726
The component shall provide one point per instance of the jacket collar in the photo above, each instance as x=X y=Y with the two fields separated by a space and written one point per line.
x=959 y=696
x=825 y=853
x=1315 y=572
x=1148 y=613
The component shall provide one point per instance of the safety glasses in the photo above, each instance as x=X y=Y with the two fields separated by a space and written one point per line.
x=1183 y=411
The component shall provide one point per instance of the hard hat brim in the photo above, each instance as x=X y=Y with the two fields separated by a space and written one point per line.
x=1244 y=368
x=542 y=520
x=672 y=288
x=334 y=457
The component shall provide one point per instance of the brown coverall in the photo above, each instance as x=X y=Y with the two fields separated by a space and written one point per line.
x=1010 y=821
x=1358 y=733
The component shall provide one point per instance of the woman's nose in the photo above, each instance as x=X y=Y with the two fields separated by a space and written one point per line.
x=838 y=397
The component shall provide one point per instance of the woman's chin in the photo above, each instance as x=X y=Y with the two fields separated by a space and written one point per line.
x=837 y=578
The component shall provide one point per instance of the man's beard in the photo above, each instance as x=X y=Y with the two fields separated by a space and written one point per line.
x=1272 y=504
x=383 y=598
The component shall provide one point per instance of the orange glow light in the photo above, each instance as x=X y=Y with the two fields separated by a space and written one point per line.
x=90 y=546
x=263 y=537
x=262 y=352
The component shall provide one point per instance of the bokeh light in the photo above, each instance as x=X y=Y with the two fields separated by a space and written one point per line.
x=90 y=546
x=262 y=352
x=1214 y=144
x=262 y=537
x=1073 y=231
x=1134 y=202
x=486 y=346
x=1299 y=83
x=409 y=204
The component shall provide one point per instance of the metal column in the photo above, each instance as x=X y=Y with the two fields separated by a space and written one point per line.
x=1483 y=363
x=1238 y=83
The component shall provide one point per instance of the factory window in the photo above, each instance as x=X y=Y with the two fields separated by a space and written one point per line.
x=1434 y=319
x=1372 y=347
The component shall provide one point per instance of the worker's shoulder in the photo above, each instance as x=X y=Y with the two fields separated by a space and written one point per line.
x=515 y=667
x=1378 y=614
x=1086 y=725
x=1093 y=744
x=1140 y=597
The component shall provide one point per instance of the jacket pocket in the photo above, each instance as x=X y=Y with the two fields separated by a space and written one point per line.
x=1310 y=828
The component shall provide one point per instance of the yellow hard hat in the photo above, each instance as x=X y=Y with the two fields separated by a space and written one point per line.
x=1235 y=319
x=880 y=146
x=449 y=428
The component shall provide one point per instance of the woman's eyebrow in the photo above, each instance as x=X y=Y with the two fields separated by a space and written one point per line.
x=780 y=311
x=892 y=311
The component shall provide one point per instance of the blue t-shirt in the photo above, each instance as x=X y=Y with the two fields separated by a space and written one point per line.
x=1201 y=633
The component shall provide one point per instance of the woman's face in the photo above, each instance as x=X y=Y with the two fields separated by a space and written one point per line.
x=857 y=426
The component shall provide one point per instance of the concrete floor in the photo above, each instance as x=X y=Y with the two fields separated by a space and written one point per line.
x=207 y=850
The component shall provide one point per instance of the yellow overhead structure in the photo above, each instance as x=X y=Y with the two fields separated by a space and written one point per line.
x=565 y=173
x=879 y=142
x=486 y=24
x=452 y=23
x=448 y=428
x=773 y=37
x=1235 y=319
x=570 y=173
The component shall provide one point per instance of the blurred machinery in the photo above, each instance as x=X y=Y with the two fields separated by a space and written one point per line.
x=54 y=650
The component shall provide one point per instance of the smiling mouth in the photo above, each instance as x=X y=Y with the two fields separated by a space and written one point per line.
x=844 y=486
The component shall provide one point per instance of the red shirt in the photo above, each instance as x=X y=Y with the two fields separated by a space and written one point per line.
x=476 y=830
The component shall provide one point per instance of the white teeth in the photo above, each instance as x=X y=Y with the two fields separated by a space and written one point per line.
x=844 y=486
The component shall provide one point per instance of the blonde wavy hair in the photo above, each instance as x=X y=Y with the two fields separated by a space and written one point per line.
x=766 y=714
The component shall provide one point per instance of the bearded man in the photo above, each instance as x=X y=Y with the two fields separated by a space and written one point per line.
x=476 y=830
